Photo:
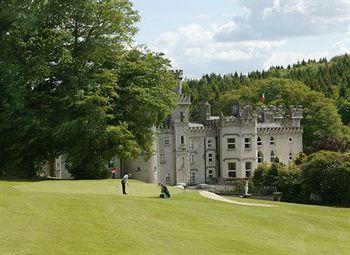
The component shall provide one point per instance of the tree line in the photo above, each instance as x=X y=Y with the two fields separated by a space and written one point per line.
x=321 y=87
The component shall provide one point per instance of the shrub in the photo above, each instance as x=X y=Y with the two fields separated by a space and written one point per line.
x=327 y=174
x=289 y=183
x=279 y=177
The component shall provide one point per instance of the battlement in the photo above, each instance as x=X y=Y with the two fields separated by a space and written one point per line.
x=199 y=129
x=163 y=130
x=279 y=130
x=270 y=114
x=184 y=100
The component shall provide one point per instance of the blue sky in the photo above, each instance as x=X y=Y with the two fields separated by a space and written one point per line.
x=205 y=36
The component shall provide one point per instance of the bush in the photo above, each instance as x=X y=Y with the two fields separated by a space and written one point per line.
x=289 y=183
x=259 y=175
x=89 y=168
x=278 y=177
x=327 y=174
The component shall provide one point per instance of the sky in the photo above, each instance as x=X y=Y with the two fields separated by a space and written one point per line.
x=224 y=36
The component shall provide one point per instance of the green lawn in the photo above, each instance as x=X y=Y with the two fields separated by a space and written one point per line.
x=92 y=217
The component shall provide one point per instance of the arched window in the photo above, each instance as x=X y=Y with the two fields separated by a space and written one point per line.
x=260 y=157
x=182 y=139
x=259 y=141
x=272 y=156
x=290 y=156
x=272 y=140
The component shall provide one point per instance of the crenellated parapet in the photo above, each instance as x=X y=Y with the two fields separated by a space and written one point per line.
x=199 y=129
x=279 y=130
x=249 y=120
x=296 y=112
x=184 y=100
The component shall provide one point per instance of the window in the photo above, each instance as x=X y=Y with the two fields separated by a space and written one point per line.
x=182 y=116
x=192 y=159
x=231 y=143
x=260 y=157
x=167 y=178
x=192 y=177
x=182 y=139
x=248 y=169
x=210 y=173
x=290 y=139
x=247 y=143
x=231 y=167
x=290 y=156
x=166 y=140
x=272 y=156
x=232 y=174
x=210 y=157
x=111 y=164
x=138 y=169
x=272 y=140
x=191 y=144
x=209 y=143
x=259 y=141
x=162 y=158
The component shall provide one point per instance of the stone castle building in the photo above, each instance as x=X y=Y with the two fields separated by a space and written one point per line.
x=218 y=146
x=215 y=147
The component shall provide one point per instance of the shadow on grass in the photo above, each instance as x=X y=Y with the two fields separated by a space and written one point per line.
x=15 y=179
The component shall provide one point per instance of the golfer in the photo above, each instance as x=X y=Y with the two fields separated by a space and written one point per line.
x=124 y=182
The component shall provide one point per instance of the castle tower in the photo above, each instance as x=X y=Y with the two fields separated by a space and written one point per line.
x=181 y=138
x=296 y=114
x=205 y=111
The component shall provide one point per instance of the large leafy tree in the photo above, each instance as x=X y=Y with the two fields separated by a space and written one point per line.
x=321 y=120
x=74 y=84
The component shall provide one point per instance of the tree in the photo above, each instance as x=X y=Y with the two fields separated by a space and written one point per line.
x=327 y=174
x=320 y=121
x=76 y=85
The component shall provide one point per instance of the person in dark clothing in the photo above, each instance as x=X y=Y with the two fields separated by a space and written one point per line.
x=124 y=182
x=164 y=191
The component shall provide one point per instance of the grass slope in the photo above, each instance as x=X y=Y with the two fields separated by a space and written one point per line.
x=92 y=217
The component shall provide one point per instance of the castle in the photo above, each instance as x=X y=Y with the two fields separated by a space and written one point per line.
x=216 y=147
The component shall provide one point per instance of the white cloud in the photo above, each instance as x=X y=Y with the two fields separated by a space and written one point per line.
x=264 y=34
x=278 y=19
x=341 y=47
x=285 y=58
x=195 y=42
